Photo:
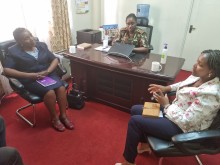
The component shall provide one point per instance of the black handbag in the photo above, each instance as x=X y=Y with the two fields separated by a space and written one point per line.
x=75 y=98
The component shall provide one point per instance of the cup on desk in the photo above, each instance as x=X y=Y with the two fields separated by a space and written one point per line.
x=156 y=66
x=72 y=49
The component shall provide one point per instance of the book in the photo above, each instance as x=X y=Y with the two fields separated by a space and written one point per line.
x=151 y=109
x=84 y=45
x=46 y=81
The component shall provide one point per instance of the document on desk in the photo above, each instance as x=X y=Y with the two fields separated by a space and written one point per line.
x=100 y=48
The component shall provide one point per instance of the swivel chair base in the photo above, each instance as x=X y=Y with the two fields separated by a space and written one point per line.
x=31 y=123
x=196 y=156
x=198 y=160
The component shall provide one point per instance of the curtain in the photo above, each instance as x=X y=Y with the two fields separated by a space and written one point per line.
x=37 y=15
x=59 y=34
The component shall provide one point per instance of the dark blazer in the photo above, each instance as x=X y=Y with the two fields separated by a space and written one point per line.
x=22 y=61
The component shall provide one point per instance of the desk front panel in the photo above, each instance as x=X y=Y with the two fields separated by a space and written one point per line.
x=118 y=89
x=117 y=81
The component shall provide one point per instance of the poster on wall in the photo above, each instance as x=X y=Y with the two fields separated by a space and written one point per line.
x=82 y=6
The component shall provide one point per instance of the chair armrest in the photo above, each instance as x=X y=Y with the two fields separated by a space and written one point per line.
x=61 y=70
x=206 y=142
x=151 y=47
x=196 y=136
x=15 y=84
x=172 y=93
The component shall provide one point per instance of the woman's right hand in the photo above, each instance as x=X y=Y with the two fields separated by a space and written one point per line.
x=36 y=76
x=154 y=88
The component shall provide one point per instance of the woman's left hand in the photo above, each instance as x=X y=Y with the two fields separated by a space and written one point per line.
x=160 y=98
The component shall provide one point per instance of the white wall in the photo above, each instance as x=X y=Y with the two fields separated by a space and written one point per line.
x=90 y=20
x=168 y=17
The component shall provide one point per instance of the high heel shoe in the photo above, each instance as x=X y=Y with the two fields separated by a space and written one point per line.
x=57 y=125
x=67 y=123
x=125 y=163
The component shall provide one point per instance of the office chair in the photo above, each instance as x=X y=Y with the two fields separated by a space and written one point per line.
x=18 y=87
x=188 y=144
x=142 y=22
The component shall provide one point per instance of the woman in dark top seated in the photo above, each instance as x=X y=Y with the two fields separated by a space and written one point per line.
x=29 y=61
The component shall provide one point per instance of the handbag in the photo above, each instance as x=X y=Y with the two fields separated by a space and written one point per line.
x=75 y=98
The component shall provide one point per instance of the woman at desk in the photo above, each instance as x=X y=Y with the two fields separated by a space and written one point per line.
x=131 y=34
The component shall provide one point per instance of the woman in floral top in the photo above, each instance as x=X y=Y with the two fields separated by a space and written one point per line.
x=131 y=34
x=194 y=108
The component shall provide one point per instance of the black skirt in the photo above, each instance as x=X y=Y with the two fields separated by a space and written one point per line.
x=39 y=90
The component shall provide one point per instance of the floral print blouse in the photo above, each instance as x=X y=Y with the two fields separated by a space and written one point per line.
x=194 y=108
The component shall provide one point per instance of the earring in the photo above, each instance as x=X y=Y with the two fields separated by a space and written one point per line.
x=209 y=75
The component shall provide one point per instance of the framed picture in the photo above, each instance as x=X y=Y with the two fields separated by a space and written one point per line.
x=82 y=6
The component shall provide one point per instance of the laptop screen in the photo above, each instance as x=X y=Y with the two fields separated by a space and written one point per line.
x=121 y=49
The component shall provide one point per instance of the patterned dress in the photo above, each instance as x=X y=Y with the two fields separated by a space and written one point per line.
x=194 y=108
x=139 y=39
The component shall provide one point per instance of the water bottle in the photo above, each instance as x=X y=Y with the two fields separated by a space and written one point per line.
x=164 y=54
x=105 y=42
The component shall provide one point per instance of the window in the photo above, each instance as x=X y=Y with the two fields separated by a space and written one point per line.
x=35 y=15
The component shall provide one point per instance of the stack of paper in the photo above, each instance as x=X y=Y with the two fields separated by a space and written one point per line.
x=100 y=48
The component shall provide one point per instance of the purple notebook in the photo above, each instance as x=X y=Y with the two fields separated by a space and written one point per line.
x=46 y=81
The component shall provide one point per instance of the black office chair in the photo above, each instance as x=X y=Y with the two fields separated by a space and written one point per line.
x=142 y=22
x=189 y=144
x=19 y=88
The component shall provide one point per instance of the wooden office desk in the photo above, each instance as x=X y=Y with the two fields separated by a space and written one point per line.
x=117 y=81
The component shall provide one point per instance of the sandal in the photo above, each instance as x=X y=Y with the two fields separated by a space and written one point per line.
x=57 y=125
x=68 y=124
x=125 y=163
x=144 y=147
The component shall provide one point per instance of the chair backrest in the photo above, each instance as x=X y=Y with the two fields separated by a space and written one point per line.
x=216 y=122
x=4 y=48
x=142 y=22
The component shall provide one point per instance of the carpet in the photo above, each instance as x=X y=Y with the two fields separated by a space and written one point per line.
x=98 y=139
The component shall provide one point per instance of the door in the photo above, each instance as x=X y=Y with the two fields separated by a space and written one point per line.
x=203 y=32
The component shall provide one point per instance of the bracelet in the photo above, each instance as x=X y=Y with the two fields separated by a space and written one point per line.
x=166 y=106
x=165 y=109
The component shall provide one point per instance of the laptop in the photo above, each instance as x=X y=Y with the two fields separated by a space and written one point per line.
x=121 y=50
